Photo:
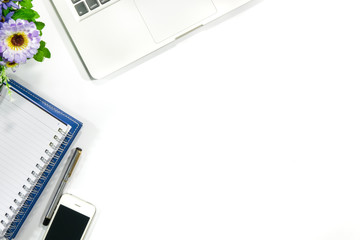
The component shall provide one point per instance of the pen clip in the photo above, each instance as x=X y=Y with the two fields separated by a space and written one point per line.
x=78 y=153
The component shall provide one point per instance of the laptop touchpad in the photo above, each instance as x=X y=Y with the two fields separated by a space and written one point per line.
x=165 y=18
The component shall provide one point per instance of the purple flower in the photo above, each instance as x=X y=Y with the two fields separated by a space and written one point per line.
x=19 y=40
x=12 y=65
x=5 y=4
x=6 y=18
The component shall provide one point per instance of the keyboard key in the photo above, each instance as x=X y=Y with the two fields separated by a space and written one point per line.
x=104 y=1
x=75 y=1
x=81 y=8
x=92 y=4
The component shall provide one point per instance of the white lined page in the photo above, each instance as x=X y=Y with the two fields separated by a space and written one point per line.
x=25 y=133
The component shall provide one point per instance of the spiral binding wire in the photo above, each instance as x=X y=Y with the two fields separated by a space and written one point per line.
x=40 y=174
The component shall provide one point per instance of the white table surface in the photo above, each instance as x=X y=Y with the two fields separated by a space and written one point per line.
x=248 y=129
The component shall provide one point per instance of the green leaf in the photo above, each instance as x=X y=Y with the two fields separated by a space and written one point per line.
x=42 y=53
x=40 y=25
x=39 y=56
x=26 y=4
x=42 y=44
x=47 y=53
x=6 y=11
x=26 y=14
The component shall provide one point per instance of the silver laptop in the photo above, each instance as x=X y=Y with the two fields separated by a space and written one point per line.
x=110 y=34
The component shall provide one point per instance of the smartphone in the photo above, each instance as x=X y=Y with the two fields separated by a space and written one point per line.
x=71 y=219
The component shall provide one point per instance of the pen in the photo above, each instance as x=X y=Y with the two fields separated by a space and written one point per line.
x=59 y=190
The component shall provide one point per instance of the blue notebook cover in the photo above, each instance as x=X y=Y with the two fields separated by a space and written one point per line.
x=45 y=177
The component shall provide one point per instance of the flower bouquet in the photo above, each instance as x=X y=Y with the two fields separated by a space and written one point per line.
x=20 y=36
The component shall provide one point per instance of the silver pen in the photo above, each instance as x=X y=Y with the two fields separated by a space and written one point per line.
x=60 y=188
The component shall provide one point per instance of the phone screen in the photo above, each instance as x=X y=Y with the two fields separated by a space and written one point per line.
x=67 y=224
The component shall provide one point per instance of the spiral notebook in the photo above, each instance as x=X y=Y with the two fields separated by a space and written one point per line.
x=34 y=137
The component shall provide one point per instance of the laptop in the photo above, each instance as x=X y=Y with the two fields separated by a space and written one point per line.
x=110 y=34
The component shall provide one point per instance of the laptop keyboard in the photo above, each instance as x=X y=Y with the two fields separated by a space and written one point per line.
x=85 y=6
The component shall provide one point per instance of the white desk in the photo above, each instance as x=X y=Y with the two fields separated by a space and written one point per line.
x=249 y=129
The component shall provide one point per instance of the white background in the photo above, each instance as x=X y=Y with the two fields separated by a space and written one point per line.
x=248 y=129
